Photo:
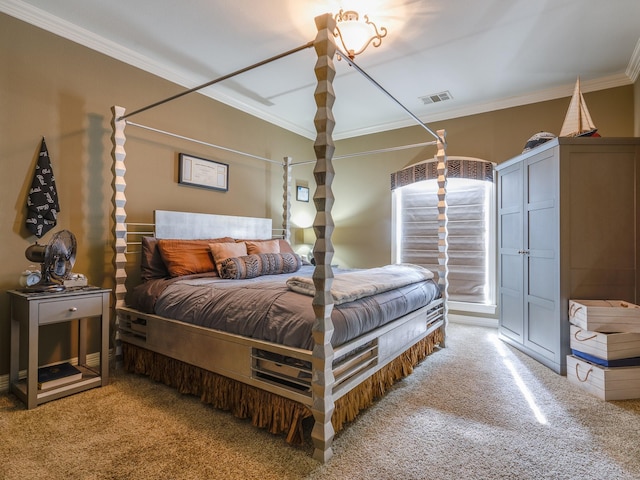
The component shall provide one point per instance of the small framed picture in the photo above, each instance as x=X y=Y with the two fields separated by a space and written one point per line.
x=302 y=194
x=200 y=172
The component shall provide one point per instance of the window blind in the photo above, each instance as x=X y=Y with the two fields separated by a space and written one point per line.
x=469 y=210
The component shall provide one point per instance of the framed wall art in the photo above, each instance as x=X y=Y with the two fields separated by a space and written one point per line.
x=302 y=193
x=200 y=172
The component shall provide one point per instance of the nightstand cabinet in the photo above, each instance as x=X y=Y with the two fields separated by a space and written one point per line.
x=30 y=311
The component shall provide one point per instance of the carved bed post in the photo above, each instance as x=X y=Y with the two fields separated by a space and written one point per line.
x=322 y=359
x=443 y=228
x=286 y=204
x=119 y=218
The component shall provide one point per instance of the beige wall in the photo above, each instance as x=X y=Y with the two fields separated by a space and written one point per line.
x=52 y=87
x=363 y=199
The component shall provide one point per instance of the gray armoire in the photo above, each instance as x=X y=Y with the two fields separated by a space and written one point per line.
x=568 y=219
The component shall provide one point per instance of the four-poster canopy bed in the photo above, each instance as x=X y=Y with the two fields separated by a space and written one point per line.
x=330 y=371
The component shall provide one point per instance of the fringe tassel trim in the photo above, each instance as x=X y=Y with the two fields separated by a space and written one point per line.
x=277 y=414
x=266 y=410
x=364 y=395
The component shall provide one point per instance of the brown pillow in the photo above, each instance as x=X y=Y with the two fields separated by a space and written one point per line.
x=266 y=246
x=151 y=264
x=222 y=251
x=186 y=257
x=285 y=247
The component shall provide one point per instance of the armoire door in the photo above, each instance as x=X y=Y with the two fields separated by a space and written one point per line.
x=541 y=255
x=510 y=246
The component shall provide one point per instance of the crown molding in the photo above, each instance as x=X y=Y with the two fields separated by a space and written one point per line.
x=603 y=83
x=633 y=69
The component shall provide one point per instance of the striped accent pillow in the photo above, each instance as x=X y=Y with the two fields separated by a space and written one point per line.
x=256 y=265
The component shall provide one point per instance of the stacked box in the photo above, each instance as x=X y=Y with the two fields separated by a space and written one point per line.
x=605 y=347
x=605 y=315
x=615 y=383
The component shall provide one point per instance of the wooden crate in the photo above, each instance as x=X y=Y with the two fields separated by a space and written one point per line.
x=619 y=383
x=610 y=316
x=608 y=346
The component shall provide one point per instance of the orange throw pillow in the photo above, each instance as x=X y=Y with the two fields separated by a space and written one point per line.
x=222 y=251
x=264 y=246
x=285 y=247
x=186 y=257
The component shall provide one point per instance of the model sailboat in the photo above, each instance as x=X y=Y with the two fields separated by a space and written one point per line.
x=578 y=122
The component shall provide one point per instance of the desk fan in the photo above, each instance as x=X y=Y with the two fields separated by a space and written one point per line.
x=56 y=259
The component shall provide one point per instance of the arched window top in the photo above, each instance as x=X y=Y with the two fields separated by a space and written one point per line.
x=457 y=167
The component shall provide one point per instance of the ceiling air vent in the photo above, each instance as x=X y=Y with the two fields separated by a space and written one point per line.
x=436 y=97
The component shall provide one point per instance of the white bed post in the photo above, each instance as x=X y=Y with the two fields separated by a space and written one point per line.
x=286 y=204
x=322 y=358
x=443 y=228
x=119 y=217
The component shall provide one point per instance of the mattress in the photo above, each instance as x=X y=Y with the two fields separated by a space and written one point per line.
x=265 y=308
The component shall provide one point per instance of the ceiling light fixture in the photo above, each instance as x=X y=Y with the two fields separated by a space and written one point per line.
x=356 y=35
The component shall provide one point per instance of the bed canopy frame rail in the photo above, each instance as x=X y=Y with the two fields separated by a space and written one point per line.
x=323 y=376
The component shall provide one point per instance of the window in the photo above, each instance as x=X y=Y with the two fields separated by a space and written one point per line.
x=470 y=212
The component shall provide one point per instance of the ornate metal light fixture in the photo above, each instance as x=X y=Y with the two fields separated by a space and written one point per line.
x=356 y=35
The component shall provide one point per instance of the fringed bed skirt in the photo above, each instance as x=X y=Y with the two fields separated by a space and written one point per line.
x=267 y=410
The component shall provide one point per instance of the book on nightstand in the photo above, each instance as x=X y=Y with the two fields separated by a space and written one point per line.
x=57 y=375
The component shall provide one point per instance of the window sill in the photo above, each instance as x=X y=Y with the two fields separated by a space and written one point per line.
x=484 y=309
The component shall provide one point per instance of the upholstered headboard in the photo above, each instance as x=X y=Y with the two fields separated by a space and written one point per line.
x=187 y=225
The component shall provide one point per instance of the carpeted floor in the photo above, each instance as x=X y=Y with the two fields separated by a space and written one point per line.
x=460 y=415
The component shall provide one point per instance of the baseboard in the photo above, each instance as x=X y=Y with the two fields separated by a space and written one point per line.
x=93 y=360
x=473 y=320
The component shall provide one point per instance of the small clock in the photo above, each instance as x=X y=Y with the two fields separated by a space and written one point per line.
x=29 y=278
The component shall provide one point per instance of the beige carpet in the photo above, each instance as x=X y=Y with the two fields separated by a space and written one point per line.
x=461 y=415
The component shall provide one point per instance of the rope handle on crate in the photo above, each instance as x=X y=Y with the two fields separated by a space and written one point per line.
x=573 y=309
x=575 y=335
x=578 y=373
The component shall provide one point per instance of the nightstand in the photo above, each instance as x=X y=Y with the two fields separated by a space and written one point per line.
x=30 y=311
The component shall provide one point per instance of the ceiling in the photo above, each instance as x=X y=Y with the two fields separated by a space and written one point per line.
x=488 y=54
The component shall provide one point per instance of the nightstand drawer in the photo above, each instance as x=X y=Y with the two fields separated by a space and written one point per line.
x=69 y=309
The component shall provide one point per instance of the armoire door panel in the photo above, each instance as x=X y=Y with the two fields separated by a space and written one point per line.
x=511 y=189
x=511 y=226
x=542 y=329
x=511 y=269
x=542 y=279
x=511 y=323
x=542 y=231
x=542 y=175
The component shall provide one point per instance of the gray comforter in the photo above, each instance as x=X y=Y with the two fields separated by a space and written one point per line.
x=266 y=308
